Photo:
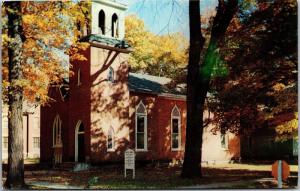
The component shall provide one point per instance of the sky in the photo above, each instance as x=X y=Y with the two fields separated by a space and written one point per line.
x=164 y=16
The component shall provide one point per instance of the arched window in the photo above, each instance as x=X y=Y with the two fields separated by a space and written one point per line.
x=114 y=25
x=111 y=74
x=141 y=127
x=175 y=129
x=101 y=22
x=57 y=131
x=110 y=140
x=81 y=129
x=79 y=142
x=224 y=140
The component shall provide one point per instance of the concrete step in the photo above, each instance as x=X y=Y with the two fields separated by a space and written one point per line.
x=81 y=167
x=68 y=166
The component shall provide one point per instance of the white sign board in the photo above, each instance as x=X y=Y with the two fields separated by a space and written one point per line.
x=129 y=161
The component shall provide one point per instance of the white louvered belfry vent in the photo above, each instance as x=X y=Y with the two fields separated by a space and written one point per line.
x=175 y=112
x=108 y=19
x=141 y=109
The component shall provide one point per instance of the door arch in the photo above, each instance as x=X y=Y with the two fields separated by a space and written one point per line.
x=79 y=142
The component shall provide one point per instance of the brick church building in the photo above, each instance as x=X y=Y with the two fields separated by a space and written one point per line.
x=104 y=109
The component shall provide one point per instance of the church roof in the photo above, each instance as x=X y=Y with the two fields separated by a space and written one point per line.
x=106 y=41
x=153 y=84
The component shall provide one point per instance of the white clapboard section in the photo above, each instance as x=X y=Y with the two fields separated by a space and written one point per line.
x=129 y=162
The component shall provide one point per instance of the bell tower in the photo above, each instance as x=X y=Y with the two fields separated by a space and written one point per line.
x=108 y=18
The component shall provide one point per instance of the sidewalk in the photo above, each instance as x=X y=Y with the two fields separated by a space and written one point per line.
x=55 y=186
x=244 y=184
x=219 y=185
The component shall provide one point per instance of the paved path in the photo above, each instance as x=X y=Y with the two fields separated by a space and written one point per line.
x=233 y=184
x=54 y=186
x=219 y=185
x=213 y=185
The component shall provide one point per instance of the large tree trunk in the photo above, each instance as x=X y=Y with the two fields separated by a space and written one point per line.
x=15 y=173
x=192 y=157
x=198 y=79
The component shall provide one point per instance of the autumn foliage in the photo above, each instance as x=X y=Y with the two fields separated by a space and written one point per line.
x=50 y=34
x=260 y=90
x=160 y=55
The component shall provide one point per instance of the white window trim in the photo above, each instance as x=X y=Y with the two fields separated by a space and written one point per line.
x=104 y=27
x=145 y=128
x=39 y=146
x=115 y=31
x=113 y=75
x=226 y=136
x=179 y=129
x=56 y=138
x=111 y=130
x=77 y=132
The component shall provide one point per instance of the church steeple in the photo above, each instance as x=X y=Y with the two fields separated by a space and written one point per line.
x=107 y=18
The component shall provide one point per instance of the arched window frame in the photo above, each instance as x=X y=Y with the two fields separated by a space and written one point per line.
x=115 y=25
x=178 y=118
x=101 y=22
x=57 y=139
x=111 y=75
x=111 y=133
x=77 y=132
x=138 y=116
x=224 y=140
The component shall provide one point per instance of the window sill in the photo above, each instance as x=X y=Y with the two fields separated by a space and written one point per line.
x=141 y=150
x=57 y=146
x=111 y=150
x=179 y=149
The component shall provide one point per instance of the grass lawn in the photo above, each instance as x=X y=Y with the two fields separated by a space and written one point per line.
x=26 y=161
x=252 y=167
x=163 y=177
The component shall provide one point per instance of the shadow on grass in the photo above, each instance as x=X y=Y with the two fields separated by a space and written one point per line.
x=141 y=182
x=151 y=177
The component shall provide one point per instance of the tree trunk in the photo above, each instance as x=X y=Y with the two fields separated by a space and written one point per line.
x=15 y=173
x=198 y=79
x=194 y=127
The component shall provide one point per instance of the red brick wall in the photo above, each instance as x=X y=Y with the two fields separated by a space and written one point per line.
x=109 y=104
x=75 y=108
x=102 y=105
x=48 y=114
x=150 y=101
x=166 y=106
x=158 y=126
x=79 y=108
x=159 y=132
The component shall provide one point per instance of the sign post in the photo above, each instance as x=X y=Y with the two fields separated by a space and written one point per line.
x=129 y=162
x=279 y=174
x=280 y=171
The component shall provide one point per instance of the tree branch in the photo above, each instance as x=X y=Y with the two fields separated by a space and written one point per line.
x=225 y=12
